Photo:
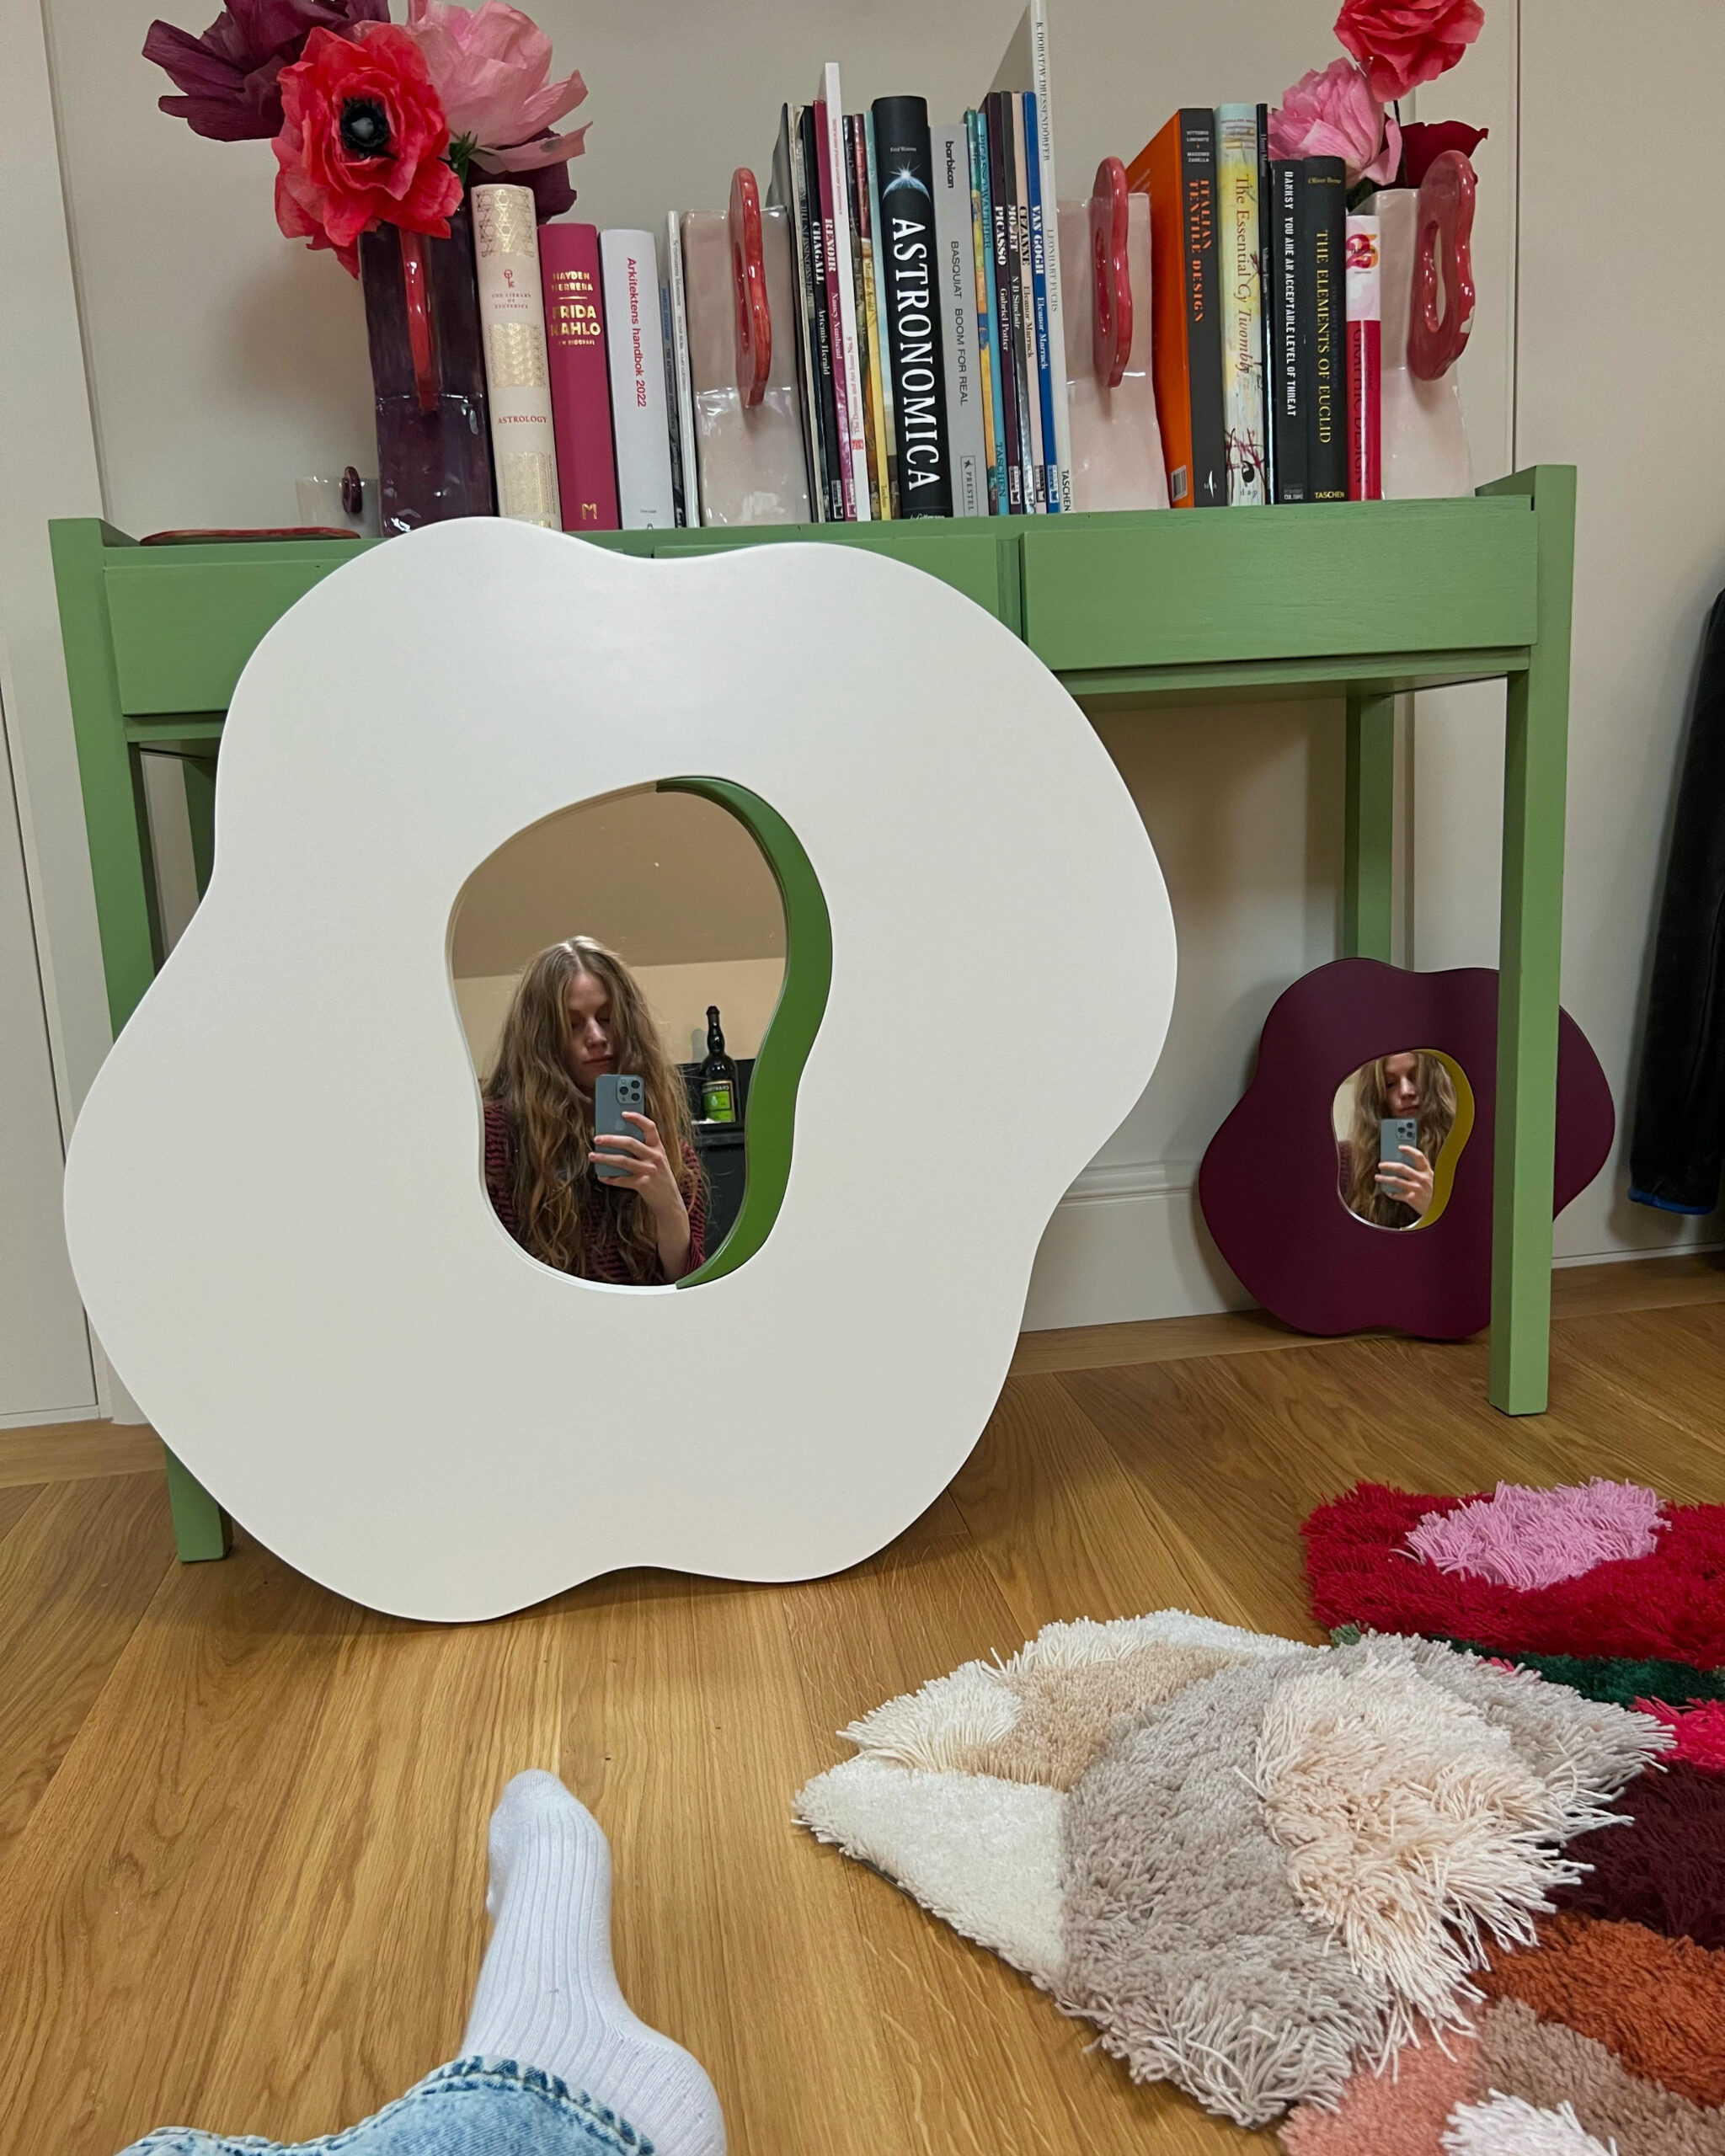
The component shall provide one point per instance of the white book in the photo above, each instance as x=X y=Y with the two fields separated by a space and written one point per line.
x=854 y=445
x=634 y=352
x=955 y=282
x=1026 y=67
x=517 y=378
x=681 y=379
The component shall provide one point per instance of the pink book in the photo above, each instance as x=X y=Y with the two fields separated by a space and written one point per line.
x=580 y=390
x=835 y=277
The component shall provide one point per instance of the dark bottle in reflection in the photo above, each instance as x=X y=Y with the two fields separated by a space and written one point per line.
x=719 y=1075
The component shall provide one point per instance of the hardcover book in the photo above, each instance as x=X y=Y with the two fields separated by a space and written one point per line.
x=884 y=371
x=786 y=190
x=1177 y=169
x=988 y=342
x=1050 y=364
x=580 y=394
x=957 y=278
x=841 y=296
x=685 y=464
x=1243 y=303
x=908 y=251
x=635 y=353
x=1266 y=287
x=867 y=315
x=1008 y=316
x=1365 y=363
x=517 y=369
x=1322 y=300
x=1287 y=412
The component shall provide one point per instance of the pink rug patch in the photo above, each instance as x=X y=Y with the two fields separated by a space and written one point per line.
x=1523 y=1538
x=1700 y=1727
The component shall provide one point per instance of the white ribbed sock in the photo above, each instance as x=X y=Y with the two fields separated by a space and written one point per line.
x=547 y=1996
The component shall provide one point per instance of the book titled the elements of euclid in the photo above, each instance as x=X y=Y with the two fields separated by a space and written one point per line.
x=635 y=345
x=517 y=380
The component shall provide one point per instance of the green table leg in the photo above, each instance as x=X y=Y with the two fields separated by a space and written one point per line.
x=199 y=773
x=1368 y=868
x=1536 y=759
x=120 y=868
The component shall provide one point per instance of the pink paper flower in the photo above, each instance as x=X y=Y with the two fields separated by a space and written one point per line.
x=491 y=67
x=1400 y=43
x=1333 y=114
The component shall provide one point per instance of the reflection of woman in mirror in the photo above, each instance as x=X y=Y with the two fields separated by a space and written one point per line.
x=578 y=1012
x=1414 y=1086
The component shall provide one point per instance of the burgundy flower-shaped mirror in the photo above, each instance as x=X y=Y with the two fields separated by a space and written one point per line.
x=1352 y=1186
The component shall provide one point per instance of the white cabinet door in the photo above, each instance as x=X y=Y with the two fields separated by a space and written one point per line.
x=45 y=1351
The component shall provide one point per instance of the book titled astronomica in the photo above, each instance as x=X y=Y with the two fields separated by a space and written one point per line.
x=908 y=256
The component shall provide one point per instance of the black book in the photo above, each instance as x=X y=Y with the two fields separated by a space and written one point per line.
x=1009 y=303
x=1266 y=271
x=1204 y=308
x=1281 y=292
x=815 y=242
x=905 y=167
x=1322 y=300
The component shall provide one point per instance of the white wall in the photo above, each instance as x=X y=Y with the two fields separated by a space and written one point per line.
x=225 y=361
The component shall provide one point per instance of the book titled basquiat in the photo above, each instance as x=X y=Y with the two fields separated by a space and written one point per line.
x=908 y=258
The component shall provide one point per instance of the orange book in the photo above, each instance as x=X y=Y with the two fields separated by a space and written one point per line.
x=1176 y=169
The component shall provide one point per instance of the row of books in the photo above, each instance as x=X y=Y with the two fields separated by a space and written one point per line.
x=1267 y=378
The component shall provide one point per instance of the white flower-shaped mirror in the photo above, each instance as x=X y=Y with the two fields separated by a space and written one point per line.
x=274 y=1198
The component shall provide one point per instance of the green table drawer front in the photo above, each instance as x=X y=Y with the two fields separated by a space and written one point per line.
x=1188 y=587
x=184 y=625
x=978 y=561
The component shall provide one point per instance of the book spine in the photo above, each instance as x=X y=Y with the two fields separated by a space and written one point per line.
x=868 y=317
x=810 y=183
x=1035 y=25
x=1050 y=365
x=1035 y=493
x=1005 y=258
x=832 y=275
x=884 y=357
x=580 y=396
x=988 y=343
x=1204 y=312
x=635 y=348
x=1323 y=347
x=1287 y=413
x=786 y=192
x=1243 y=303
x=844 y=254
x=673 y=438
x=957 y=283
x=682 y=381
x=913 y=326
x=517 y=370
x=1266 y=287
x=1364 y=290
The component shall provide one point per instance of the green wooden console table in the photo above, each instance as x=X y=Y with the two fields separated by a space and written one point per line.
x=1359 y=599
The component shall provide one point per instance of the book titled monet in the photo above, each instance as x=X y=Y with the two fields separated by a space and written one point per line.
x=909 y=256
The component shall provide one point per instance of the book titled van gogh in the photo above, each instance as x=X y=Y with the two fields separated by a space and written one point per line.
x=1242 y=302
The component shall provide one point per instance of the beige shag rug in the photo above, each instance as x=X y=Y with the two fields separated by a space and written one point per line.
x=1250 y=1863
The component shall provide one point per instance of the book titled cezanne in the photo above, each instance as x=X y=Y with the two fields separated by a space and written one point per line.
x=580 y=402
x=908 y=253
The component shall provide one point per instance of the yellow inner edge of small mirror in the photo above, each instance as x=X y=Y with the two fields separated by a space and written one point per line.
x=1444 y=1167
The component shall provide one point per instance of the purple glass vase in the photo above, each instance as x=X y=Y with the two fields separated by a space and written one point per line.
x=428 y=373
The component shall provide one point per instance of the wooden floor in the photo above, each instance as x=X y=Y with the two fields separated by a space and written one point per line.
x=242 y=1822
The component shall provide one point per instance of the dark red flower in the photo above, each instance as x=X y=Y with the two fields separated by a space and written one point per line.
x=230 y=74
x=1402 y=42
x=1421 y=142
x=361 y=143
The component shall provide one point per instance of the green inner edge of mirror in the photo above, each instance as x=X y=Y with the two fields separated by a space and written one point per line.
x=771 y=1118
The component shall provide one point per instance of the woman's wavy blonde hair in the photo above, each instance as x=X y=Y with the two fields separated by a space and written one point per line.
x=562 y=1207
x=1436 y=1119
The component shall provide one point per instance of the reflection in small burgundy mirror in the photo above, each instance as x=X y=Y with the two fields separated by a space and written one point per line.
x=1317 y=1160
x=754 y=318
x=1111 y=280
x=1401 y=1122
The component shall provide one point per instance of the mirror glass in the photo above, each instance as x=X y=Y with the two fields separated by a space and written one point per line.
x=1400 y=1123
x=615 y=968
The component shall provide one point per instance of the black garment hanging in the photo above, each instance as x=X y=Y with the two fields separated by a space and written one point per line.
x=1676 y=1159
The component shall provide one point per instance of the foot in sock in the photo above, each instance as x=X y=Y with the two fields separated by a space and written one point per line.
x=547 y=1996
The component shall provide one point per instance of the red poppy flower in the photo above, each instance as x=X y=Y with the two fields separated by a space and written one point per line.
x=1402 y=42
x=362 y=142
